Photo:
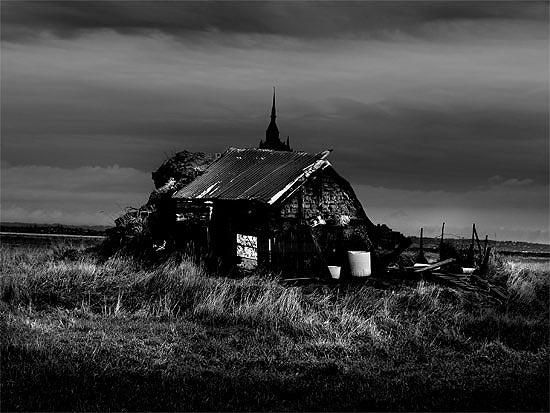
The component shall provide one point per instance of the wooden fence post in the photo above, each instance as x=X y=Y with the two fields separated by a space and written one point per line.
x=441 y=242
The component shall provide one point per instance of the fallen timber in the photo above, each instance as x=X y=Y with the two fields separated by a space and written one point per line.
x=434 y=266
x=472 y=284
x=394 y=277
x=467 y=282
x=463 y=271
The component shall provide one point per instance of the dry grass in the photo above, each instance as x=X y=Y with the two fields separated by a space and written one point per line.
x=131 y=320
x=528 y=282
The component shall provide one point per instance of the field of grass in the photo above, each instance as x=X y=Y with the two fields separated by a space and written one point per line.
x=78 y=333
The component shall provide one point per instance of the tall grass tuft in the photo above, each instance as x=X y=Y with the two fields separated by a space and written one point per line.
x=421 y=317
x=528 y=284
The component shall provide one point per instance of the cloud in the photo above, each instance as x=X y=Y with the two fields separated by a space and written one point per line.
x=25 y=20
x=55 y=216
x=85 y=195
x=110 y=98
x=421 y=102
x=511 y=212
x=499 y=180
x=398 y=214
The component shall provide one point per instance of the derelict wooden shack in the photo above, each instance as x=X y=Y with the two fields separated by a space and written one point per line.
x=287 y=211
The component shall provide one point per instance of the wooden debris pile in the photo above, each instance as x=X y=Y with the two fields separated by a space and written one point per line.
x=460 y=269
x=465 y=271
x=473 y=283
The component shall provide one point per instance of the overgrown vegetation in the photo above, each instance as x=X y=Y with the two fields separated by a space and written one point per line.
x=83 y=334
x=139 y=231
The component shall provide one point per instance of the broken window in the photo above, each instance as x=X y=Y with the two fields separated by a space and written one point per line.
x=247 y=249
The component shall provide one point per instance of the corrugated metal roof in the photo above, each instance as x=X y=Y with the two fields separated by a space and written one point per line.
x=253 y=174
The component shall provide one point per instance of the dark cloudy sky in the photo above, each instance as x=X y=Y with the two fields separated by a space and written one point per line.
x=436 y=111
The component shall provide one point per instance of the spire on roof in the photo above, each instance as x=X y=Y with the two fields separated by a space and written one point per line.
x=272 y=140
x=273 y=111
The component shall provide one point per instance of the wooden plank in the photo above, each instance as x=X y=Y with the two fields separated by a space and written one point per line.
x=436 y=265
x=478 y=243
x=441 y=242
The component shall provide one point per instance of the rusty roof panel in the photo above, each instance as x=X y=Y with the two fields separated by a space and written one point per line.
x=253 y=174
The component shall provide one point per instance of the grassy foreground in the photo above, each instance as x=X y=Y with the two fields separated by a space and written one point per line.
x=80 y=334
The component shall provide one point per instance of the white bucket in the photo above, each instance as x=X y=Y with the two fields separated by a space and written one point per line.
x=334 y=271
x=468 y=270
x=359 y=263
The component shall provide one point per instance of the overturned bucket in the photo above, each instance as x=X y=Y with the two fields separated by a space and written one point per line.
x=334 y=271
x=359 y=263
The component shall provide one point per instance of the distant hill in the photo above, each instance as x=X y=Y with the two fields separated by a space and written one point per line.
x=53 y=228
x=504 y=247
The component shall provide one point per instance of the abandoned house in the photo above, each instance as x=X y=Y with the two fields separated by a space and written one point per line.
x=272 y=207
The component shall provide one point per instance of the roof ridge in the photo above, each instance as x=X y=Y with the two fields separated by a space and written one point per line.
x=234 y=148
